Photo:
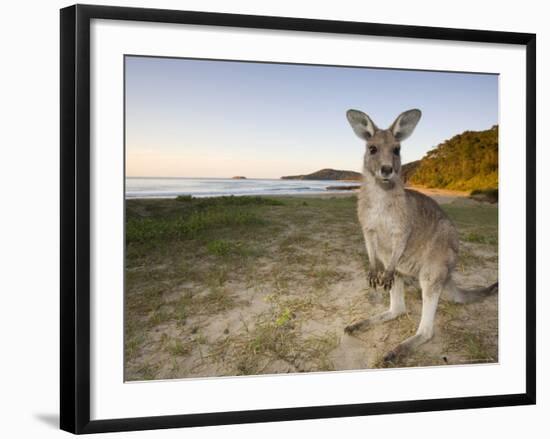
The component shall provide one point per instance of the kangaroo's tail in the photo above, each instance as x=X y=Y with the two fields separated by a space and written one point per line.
x=461 y=295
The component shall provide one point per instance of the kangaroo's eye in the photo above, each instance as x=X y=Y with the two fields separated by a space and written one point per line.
x=396 y=150
x=373 y=149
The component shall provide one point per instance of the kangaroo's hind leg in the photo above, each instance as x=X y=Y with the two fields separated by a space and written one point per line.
x=432 y=286
x=397 y=307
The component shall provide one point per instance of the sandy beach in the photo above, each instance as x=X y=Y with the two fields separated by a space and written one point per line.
x=442 y=196
x=266 y=285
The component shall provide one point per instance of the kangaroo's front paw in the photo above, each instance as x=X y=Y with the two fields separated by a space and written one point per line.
x=372 y=278
x=386 y=279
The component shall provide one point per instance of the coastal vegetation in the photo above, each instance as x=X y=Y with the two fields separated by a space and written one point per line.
x=467 y=161
x=407 y=170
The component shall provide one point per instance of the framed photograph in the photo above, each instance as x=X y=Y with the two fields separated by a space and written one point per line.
x=268 y=218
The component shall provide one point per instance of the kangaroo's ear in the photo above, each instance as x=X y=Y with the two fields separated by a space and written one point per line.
x=405 y=123
x=362 y=124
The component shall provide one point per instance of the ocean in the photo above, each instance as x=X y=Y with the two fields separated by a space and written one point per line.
x=139 y=187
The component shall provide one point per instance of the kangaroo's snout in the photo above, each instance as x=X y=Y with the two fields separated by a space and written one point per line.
x=386 y=171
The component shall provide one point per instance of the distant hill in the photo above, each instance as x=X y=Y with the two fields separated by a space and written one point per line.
x=467 y=161
x=326 y=174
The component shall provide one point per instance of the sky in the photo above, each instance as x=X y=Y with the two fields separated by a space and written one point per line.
x=201 y=118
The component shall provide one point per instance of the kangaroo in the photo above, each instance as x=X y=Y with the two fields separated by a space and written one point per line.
x=406 y=233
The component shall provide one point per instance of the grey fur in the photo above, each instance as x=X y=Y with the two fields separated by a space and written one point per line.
x=406 y=233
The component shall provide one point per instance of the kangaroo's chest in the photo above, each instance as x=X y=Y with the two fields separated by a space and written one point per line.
x=382 y=217
x=382 y=214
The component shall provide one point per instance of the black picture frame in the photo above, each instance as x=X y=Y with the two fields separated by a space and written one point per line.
x=75 y=217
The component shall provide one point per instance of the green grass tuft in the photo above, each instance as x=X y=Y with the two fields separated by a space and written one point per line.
x=219 y=247
x=230 y=201
x=153 y=229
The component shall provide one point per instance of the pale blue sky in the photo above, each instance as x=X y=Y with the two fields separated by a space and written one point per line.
x=195 y=118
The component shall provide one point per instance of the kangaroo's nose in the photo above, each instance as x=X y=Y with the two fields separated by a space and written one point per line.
x=386 y=170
